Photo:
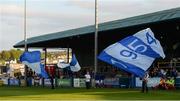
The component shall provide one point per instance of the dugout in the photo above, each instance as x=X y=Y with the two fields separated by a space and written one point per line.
x=165 y=25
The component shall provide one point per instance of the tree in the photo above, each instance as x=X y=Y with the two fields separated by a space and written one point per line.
x=15 y=54
x=2 y=62
x=5 y=55
x=10 y=55
x=19 y=52
x=0 y=56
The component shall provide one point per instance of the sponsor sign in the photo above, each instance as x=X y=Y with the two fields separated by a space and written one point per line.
x=111 y=81
x=64 y=82
x=151 y=82
x=13 y=82
x=47 y=82
x=79 y=82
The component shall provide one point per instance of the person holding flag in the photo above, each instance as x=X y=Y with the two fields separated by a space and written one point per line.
x=135 y=53
x=33 y=61
x=144 y=83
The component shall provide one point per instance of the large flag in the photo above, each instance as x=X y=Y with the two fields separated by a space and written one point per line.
x=135 y=53
x=73 y=65
x=33 y=61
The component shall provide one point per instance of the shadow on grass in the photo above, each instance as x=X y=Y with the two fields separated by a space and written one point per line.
x=39 y=93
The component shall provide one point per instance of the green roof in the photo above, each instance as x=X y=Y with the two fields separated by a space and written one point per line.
x=116 y=24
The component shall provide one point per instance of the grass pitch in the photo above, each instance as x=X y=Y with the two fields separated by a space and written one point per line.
x=39 y=93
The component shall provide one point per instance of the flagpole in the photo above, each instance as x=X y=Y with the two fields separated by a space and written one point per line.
x=96 y=39
x=25 y=42
x=25 y=39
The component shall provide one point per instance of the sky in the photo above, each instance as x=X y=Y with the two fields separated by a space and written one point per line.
x=48 y=16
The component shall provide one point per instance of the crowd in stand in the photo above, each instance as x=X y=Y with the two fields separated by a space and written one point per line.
x=166 y=83
x=156 y=72
x=167 y=80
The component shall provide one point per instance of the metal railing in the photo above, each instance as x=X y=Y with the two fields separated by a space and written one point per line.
x=168 y=64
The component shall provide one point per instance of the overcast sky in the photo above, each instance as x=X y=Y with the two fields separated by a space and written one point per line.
x=48 y=16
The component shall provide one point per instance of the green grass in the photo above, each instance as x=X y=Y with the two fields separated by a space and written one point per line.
x=39 y=93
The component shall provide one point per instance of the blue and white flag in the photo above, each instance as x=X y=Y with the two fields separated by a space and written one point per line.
x=33 y=61
x=74 y=65
x=43 y=73
x=135 y=53
x=63 y=65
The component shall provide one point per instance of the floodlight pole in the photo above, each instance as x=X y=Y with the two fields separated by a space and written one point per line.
x=25 y=38
x=25 y=42
x=96 y=39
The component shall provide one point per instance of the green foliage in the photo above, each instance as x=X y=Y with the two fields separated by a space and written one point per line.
x=2 y=62
x=0 y=55
x=10 y=55
x=15 y=54
x=5 y=55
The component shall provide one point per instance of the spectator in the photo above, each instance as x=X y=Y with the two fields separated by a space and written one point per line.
x=168 y=74
x=102 y=80
x=174 y=73
x=36 y=80
x=52 y=81
x=170 y=83
x=144 y=82
x=97 y=80
x=162 y=84
x=166 y=84
x=163 y=72
x=88 y=79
